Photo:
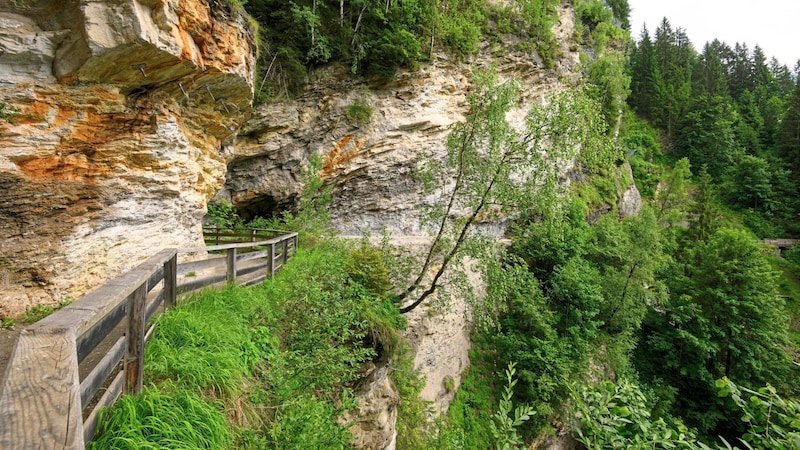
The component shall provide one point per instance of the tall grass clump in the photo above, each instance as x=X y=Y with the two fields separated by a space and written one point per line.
x=164 y=417
x=202 y=344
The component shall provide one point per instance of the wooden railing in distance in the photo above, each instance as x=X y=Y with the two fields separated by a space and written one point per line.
x=220 y=236
x=44 y=401
x=784 y=243
x=263 y=257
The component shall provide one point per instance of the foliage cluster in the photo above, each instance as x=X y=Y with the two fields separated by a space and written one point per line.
x=730 y=109
x=359 y=112
x=497 y=169
x=686 y=291
x=377 y=38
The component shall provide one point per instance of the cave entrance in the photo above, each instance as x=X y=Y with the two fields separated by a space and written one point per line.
x=266 y=206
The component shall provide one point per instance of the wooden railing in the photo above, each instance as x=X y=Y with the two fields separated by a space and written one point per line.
x=783 y=243
x=46 y=402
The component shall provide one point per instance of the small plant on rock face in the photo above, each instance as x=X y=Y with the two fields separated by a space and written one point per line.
x=506 y=420
x=7 y=112
x=39 y=312
x=7 y=323
x=360 y=112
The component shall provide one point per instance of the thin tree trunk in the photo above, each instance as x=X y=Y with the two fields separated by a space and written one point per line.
x=358 y=23
x=624 y=294
x=461 y=237
x=313 y=29
x=450 y=203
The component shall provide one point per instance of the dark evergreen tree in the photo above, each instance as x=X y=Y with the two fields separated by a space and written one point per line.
x=706 y=135
x=674 y=58
x=790 y=133
x=710 y=76
x=646 y=81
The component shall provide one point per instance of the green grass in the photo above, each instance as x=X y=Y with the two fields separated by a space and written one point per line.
x=7 y=323
x=274 y=361
x=163 y=417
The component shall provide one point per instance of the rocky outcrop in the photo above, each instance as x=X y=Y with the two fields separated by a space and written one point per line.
x=372 y=423
x=439 y=334
x=124 y=106
x=370 y=165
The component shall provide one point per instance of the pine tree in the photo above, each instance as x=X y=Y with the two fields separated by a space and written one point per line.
x=790 y=133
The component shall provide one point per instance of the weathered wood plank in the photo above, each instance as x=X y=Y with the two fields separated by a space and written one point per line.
x=780 y=242
x=252 y=255
x=255 y=280
x=170 y=281
x=149 y=333
x=250 y=269
x=87 y=311
x=40 y=405
x=89 y=340
x=109 y=397
x=155 y=278
x=271 y=262
x=134 y=355
x=101 y=371
x=231 y=264
x=213 y=248
x=203 y=264
x=197 y=284
x=152 y=307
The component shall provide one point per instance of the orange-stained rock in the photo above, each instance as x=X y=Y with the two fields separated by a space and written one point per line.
x=107 y=160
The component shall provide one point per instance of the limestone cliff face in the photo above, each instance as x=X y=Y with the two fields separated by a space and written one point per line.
x=370 y=165
x=124 y=107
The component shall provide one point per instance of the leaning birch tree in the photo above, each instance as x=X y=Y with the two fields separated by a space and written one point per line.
x=493 y=168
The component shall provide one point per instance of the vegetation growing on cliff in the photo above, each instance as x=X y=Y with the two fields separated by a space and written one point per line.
x=377 y=38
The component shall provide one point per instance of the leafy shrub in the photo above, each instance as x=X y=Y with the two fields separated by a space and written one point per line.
x=772 y=421
x=367 y=266
x=616 y=415
x=222 y=215
x=793 y=255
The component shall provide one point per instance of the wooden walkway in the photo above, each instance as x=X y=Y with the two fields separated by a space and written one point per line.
x=47 y=400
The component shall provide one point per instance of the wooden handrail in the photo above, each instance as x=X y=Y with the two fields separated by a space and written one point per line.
x=42 y=398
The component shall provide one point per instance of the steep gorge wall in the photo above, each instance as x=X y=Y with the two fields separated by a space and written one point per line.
x=370 y=165
x=124 y=106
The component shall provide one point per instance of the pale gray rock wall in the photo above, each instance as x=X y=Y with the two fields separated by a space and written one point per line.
x=370 y=166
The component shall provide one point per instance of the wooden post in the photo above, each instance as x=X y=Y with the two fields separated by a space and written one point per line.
x=296 y=241
x=285 y=251
x=171 y=282
x=40 y=403
x=134 y=363
x=231 y=274
x=253 y=232
x=271 y=262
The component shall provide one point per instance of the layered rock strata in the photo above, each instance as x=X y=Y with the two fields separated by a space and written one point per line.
x=123 y=107
x=370 y=163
